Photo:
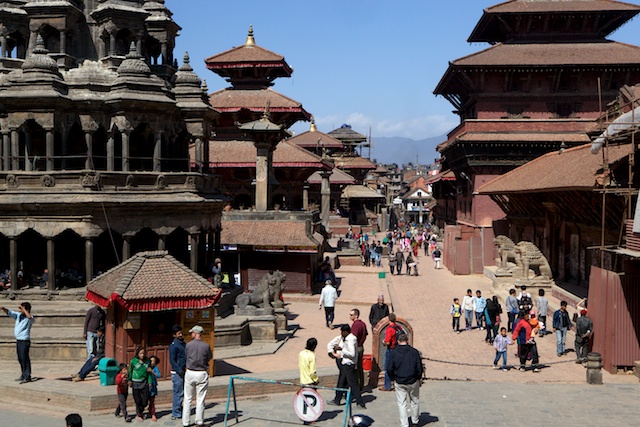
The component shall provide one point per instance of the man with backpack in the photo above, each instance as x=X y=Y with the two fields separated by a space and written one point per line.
x=584 y=329
x=390 y=341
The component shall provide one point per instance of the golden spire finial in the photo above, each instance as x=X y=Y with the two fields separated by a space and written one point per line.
x=313 y=127
x=250 y=40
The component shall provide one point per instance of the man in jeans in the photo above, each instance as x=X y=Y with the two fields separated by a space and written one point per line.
x=404 y=367
x=542 y=303
x=561 y=324
x=468 y=308
x=22 y=331
x=479 y=305
x=512 y=309
x=178 y=360
x=196 y=379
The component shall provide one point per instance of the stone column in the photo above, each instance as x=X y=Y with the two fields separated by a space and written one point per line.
x=3 y=46
x=63 y=41
x=163 y=51
x=49 y=144
x=162 y=238
x=157 y=151
x=13 y=262
x=194 y=240
x=6 y=150
x=125 y=150
x=88 y=260
x=325 y=193
x=110 y=152
x=88 y=139
x=51 y=263
x=139 y=44
x=262 y=177
x=305 y=197
x=28 y=143
x=32 y=42
x=15 y=150
x=126 y=248
x=112 y=44
x=199 y=154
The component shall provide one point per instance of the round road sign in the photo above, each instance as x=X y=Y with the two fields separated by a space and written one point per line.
x=308 y=404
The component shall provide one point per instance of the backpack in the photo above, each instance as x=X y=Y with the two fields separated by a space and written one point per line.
x=399 y=330
x=525 y=303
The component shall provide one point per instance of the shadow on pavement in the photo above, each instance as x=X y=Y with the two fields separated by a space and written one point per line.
x=427 y=418
x=224 y=368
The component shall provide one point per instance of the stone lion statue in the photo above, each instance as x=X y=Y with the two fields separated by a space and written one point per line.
x=506 y=252
x=531 y=257
x=266 y=294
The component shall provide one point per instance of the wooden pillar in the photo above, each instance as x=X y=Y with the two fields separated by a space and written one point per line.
x=49 y=144
x=51 y=263
x=194 y=239
x=13 y=262
x=88 y=259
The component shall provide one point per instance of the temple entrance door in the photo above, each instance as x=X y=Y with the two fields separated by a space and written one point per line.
x=69 y=254
x=144 y=240
x=32 y=257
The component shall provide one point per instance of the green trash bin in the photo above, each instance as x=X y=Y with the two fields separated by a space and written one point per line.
x=108 y=369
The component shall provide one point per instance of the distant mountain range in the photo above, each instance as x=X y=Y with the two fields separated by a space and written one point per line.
x=404 y=150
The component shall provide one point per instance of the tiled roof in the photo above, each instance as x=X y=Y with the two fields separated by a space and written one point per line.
x=154 y=278
x=267 y=233
x=552 y=54
x=312 y=139
x=360 y=192
x=242 y=54
x=337 y=177
x=523 y=137
x=447 y=175
x=347 y=134
x=353 y=162
x=575 y=168
x=530 y=6
x=254 y=100
x=237 y=153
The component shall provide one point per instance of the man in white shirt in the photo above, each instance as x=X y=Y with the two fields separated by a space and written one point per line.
x=345 y=348
x=468 y=307
x=328 y=298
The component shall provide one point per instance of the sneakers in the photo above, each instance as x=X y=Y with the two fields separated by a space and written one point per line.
x=495 y=367
x=522 y=369
x=457 y=332
x=333 y=402
x=536 y=370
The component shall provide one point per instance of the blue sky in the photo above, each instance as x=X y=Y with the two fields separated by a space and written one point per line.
x=372 y=64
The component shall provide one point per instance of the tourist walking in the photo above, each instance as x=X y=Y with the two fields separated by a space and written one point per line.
x=399 y=261
x=500 y=343
x=561 y=324
x=479 y=305
x=404 y=367
x=542 y=304
x=122 y=389
x=455 y=312
x=390 y=341
x=469 y=308
x=378 y=311
x=436 y=258
x=307 y=363
x=584 y=329
x=139 y=376
x=22 y=332
x=93 y=320
x=359 y=329
x=328 y=298
x=526 y=344
x=196 y=378
x=511 y=305
x=392 y=261
x=178 y=361
x=346 y=352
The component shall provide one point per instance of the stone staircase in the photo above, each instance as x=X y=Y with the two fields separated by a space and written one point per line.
x=55 y=335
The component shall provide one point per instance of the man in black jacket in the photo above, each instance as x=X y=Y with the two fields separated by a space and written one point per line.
x=404 y=367
x=379 y=311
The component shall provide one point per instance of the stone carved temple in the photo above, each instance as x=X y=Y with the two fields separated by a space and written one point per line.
x=96 y=122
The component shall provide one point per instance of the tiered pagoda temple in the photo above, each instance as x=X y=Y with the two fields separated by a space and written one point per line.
x=536 y=89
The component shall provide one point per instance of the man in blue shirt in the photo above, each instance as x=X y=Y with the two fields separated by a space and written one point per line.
x=480 y=305
x=22 y=332
x=178 y=359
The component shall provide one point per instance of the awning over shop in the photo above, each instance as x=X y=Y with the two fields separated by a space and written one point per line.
x=152 y=281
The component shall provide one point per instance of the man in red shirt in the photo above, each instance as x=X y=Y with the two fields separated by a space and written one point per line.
x=390 y=342
x=526 y=343
x=359 y=329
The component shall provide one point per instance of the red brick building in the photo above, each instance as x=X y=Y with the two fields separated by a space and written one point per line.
x=535 y=90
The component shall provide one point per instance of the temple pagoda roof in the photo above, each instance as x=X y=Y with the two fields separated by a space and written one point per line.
x=353 y=162
x=315 y=139
x=347 y=135
x=540 y=56
x=233 y=100
x=575 y=169
x=249 y=63
x=499 y=22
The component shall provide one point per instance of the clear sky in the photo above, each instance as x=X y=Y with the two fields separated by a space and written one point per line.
x=369 y=63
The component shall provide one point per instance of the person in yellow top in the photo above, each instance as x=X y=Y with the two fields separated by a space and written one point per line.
x=455 y=312
x=307 y=363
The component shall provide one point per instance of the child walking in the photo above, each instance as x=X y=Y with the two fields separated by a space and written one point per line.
x=122 y=389
x=500 y=343
x=153 y=386
x=455 y=312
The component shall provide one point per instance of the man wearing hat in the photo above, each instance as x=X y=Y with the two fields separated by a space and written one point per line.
x=216 y=269
x=584 y=329
x=196 y=378
x=328 y=298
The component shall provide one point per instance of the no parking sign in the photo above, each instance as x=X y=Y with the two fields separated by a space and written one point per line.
x=308 y=404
